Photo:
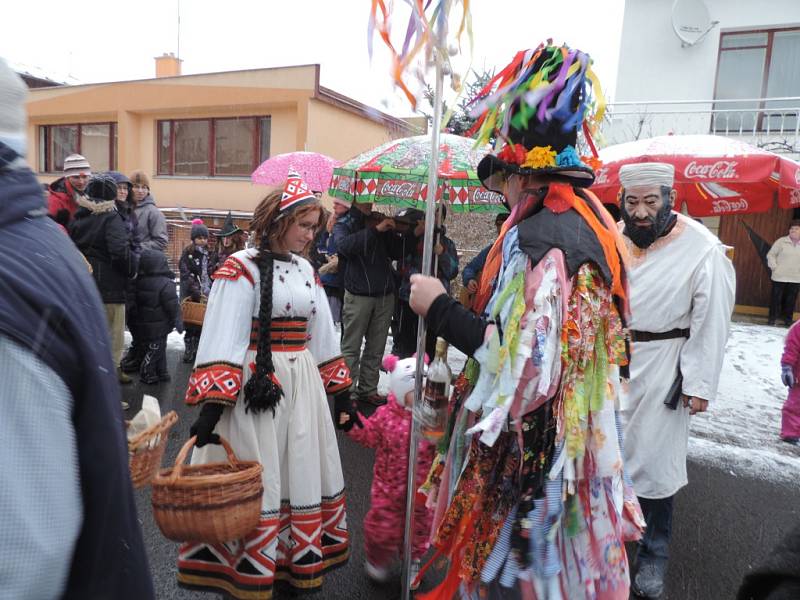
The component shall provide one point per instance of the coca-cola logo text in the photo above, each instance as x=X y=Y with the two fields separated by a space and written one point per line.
x=722 y=169
x=342 y=184
x=797 y=176
x=485 y=196
x=398 y=189
x=601 y=176
x=721 y=207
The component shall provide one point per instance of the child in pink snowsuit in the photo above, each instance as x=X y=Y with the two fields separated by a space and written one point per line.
x=388 y=431
x=790 y=375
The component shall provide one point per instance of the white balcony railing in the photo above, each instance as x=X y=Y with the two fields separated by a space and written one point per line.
x=769 y=123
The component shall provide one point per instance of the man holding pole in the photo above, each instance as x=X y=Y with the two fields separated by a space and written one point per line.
x=530 y=491
x=682 y=292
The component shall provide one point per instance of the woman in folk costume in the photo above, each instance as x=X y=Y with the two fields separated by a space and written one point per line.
x=530 y=491
x=267 y=359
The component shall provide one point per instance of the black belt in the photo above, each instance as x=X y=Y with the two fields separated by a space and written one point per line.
x=649 y=336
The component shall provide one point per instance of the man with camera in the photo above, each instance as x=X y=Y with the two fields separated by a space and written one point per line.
x=366 y=244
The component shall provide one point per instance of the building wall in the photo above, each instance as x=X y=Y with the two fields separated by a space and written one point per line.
x=652 y=64
x=298 y=122
x=342 y=134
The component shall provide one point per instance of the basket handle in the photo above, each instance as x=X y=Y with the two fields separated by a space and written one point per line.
x=180 y=460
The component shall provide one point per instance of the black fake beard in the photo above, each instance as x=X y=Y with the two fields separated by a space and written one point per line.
x=643 y=237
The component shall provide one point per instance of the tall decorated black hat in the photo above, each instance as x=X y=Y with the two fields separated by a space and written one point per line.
x=534 y=109
x=228 y=227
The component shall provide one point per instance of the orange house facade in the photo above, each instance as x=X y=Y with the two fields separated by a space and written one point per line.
x=198 y=137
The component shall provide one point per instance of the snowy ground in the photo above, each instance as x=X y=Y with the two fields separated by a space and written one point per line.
x=740 y=430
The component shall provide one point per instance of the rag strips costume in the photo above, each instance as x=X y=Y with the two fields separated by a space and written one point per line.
x=303 y=529
x=528 y=489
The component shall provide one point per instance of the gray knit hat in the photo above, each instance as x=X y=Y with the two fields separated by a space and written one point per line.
x=198 y=229
x=13 y=120
x=75 y=164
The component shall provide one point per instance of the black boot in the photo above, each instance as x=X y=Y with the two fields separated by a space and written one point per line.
x=148 y=372
x=190 y=348
x=132 y=360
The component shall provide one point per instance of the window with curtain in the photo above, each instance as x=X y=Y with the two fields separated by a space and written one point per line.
x=753 y=66
x=218 y=147
x=96 y=141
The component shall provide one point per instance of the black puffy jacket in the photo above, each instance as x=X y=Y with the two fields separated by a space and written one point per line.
x=98 y=231
x=156 y=297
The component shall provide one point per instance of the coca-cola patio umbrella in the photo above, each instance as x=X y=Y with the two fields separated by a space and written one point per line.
x=397 y=173
x=714 y=175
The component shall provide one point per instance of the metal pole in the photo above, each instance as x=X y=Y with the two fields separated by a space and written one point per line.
x=430 y=207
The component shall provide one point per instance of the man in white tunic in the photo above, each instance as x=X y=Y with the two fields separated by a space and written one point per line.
x=681 y=297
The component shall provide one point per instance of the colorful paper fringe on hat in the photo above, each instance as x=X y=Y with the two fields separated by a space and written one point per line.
x=295 y=193
x=537 y=88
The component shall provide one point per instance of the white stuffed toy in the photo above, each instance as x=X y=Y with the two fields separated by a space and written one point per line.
x=401 y=378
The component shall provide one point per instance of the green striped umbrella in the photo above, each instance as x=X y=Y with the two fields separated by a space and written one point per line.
x=397 y=173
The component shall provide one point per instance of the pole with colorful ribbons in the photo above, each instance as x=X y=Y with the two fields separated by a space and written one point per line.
x=430 y=36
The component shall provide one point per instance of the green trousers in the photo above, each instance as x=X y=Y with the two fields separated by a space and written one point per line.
x=365 y=319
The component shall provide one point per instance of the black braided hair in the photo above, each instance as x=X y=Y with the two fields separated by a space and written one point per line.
x=263 y=391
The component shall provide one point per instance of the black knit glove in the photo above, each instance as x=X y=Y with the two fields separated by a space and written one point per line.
x=344 y=405
x=203 y=427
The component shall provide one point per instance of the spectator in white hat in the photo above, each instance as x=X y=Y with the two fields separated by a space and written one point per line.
x=63 y=194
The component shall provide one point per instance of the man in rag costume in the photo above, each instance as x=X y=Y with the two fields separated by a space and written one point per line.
x=528 y=490
x=681 y=294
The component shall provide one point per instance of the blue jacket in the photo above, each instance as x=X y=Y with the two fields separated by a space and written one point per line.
x=49 y=304
x=367 y=255
x=475 y=266
x=447 y=264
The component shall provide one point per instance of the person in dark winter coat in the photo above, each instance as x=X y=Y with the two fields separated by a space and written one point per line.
x=778 y=577
x=133 y=357
x=157 y=311
x=63 y=193
x=405 y=322
x=98 y=231
x=69 y=522
x=196 y=267
x=366 y=244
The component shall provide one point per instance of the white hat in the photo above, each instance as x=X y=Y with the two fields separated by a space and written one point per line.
x=650 y=173
x=13 y=120
x=75 y=164
x=401 y=376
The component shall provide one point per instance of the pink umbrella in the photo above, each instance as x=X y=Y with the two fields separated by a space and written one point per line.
x=316 y=169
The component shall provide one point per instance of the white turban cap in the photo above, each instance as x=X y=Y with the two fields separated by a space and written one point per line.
x=650 y=173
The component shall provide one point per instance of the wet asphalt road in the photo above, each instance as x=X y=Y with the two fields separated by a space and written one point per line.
x=723 y=525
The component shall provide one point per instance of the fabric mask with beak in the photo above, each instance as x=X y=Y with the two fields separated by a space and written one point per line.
x=401 y=377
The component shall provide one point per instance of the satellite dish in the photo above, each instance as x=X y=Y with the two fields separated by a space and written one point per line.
x=691 y=21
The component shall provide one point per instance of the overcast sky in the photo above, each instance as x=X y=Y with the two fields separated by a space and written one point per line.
x=92 y=40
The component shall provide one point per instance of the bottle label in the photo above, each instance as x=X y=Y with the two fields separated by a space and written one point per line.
x=433 y=412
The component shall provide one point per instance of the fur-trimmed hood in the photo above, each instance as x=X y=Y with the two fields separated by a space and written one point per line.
x=97 y=206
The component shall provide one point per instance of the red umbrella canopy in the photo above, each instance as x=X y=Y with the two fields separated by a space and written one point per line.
x=714 y=175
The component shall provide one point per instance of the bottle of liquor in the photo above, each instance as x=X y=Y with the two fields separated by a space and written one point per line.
x=433 y=410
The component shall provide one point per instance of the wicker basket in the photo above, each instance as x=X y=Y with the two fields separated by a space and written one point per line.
x=211 y=503
x=146 y=450
x=193 y=313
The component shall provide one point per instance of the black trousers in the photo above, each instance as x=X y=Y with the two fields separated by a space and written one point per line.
x=154 y=363
x=405 y=323
x=783 y=298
